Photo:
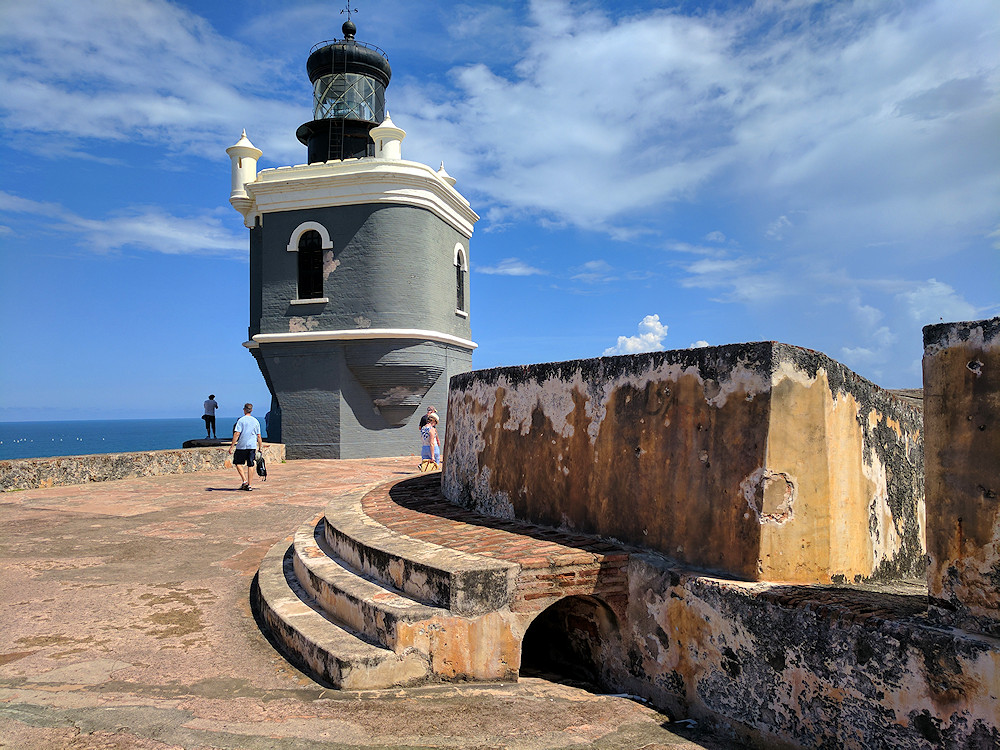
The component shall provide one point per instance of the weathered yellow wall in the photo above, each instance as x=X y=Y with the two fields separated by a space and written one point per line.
x=836 y=522
x=750 y=459
x=653 y=457
x=805 y=666
x=962 y=418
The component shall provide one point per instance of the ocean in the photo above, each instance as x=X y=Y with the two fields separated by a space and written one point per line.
x=77 y=437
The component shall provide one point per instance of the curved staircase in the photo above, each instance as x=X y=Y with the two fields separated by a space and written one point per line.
x=360 y=604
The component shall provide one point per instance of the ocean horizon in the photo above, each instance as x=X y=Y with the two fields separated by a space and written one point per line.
x=87 y=436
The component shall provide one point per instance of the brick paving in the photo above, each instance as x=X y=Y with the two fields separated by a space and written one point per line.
x=127 y=625
x=554 y=564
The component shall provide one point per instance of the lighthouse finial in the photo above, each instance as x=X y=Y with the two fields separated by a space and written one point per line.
x=349 y=28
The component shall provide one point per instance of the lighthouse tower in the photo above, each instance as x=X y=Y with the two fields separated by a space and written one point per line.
x=359 y=270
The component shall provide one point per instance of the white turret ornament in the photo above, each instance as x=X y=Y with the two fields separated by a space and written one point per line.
x=443 y=174
x=388 y=140
x=244 y=156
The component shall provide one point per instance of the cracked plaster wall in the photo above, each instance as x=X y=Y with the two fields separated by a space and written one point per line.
x=762 y=460
x=778 y=665
x=962 y=416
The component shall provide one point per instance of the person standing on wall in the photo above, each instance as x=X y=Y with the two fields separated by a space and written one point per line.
x=210 y=406
x=246 y=440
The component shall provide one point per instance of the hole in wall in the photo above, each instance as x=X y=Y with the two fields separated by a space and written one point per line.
x=572 y=641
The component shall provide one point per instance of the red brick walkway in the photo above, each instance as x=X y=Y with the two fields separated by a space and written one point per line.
x=553 y=564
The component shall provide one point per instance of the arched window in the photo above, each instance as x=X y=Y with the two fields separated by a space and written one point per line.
x=310 y=241
x=310 y=265
x=461 y=282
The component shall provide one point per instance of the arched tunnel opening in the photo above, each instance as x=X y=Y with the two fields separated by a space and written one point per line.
x=573 y=640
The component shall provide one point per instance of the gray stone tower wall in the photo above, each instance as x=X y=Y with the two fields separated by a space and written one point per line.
x=391 y=267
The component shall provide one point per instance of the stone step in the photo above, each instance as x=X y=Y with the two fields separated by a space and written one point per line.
x=461 y=582
x=312 y=640
x=370 y=608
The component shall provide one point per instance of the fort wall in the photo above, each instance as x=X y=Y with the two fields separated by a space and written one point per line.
x=784 y=665
x=764 y=461
x=802 y=486
x=32 y=473
x=962 y=415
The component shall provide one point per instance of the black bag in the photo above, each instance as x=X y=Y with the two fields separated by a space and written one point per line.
x=261 y=467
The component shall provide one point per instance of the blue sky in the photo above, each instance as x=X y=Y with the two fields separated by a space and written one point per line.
x=649 y=176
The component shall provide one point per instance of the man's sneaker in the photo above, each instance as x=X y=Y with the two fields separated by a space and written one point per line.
x=248 y=488
x=244 y=486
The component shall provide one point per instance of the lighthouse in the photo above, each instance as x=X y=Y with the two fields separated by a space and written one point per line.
x=359 y=270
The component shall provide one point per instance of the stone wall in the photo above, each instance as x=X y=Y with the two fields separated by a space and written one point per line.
x=391 y=266
x=781 y=665
x=31 y=473
x=764 y=461
x=780 y=467
x=962 y=417
x=357 y=399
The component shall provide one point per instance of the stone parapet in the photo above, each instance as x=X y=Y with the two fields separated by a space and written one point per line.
x=786 y=665
x=962 y=419
x=765 y=461
x=32 y=473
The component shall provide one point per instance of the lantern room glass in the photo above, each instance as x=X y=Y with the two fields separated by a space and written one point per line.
x=348 y=96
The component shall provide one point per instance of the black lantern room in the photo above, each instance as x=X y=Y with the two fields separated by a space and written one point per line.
x=349 y=79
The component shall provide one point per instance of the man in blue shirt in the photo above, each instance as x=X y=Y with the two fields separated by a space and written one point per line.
x=246 y=440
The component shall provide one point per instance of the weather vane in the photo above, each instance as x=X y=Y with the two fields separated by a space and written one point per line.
x=348 y=10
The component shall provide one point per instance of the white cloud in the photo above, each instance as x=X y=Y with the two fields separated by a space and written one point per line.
x=995 y=235
x=138 y=71
x=510 y=267
x=700 y=344
x=877 y=121
x=740 y=279
x=147 y=228
x=595 y=272
x=776 y=229
x=649 y=339
x=861 y=357
x=715 y=237
x=152 y=229
x=687 y=247
x=933 y=301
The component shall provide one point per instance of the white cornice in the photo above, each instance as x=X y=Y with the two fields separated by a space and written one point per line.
x=358 y=181
x=359 y=334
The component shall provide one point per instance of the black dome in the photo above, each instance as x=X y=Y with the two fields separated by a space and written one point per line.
x=348 y=56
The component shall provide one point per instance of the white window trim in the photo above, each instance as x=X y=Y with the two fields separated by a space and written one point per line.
x=463 y=262
x=309 y=226
x=293 y=247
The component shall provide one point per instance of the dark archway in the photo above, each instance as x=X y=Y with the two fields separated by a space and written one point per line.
x=310 y=265
x=576 y=639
